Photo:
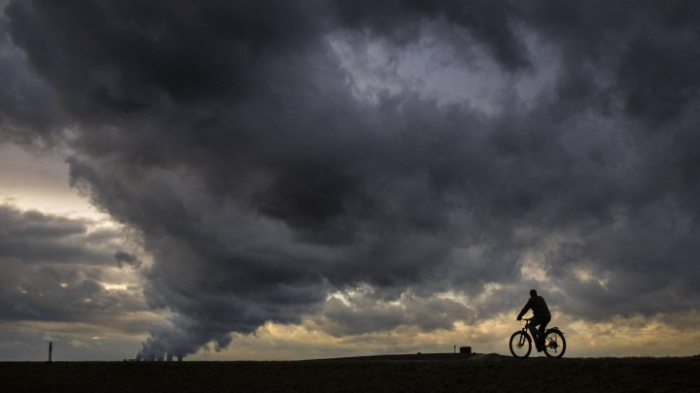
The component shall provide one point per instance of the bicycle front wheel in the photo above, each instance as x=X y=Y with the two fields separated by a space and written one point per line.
x=520 y=345
x=554 y=344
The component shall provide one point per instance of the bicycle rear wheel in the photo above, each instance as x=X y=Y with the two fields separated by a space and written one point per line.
x=554 y=344
x=520 y=345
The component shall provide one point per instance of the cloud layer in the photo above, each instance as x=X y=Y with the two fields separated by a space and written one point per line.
x=57 y=269
x=270 y=154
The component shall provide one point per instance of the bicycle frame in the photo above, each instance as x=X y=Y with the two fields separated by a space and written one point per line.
x=526 y=329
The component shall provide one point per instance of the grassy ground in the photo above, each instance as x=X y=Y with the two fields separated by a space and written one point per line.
x=497 y=374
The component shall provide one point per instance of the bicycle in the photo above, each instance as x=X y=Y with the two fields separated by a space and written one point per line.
x=521 y=343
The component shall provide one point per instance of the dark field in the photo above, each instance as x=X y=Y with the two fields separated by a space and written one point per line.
x=425 y=373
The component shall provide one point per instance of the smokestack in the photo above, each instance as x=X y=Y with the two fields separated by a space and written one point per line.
x=50 y=350
x=170 y=357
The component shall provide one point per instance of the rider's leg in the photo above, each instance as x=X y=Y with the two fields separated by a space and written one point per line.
x=533 y=330
x=543 y=326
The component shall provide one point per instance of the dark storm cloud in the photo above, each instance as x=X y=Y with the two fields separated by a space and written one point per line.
x=230 y=137
x=490 y=23
x=27 y=109
x=123 y=257
x=646 y=47
x=52 y=268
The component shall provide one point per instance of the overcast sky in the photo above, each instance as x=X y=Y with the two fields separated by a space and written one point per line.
x=298 y=179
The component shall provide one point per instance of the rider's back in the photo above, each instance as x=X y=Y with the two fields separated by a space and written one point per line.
x=539 y=307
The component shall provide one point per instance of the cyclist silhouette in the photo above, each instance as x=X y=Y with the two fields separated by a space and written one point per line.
x=541 y=317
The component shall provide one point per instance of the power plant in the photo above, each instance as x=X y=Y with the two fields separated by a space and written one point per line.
x=153 y=358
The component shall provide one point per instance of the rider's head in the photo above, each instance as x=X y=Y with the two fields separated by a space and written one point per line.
x=533 y=293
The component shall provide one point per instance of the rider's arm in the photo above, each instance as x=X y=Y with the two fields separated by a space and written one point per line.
x=525 y=309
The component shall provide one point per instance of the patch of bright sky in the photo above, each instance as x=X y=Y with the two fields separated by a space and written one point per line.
x=634 y=336
x=75 y=341
x=40 y=181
